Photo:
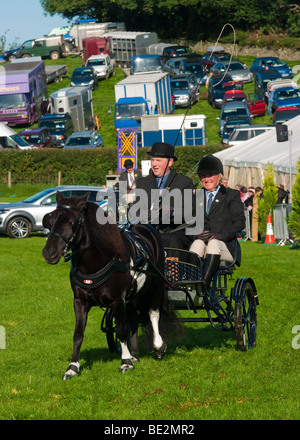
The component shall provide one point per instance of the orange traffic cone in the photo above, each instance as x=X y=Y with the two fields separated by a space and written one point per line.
x=270 y=239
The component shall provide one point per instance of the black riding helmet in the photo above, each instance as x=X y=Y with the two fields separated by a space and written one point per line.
x=210 y=165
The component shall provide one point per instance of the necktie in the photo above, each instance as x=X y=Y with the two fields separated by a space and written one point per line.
x=209 y=200
x=131 y=179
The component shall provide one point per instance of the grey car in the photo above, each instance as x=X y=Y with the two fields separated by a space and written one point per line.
x=19 y=219
x=235 y=69
x=186 y=90
x=84 y=139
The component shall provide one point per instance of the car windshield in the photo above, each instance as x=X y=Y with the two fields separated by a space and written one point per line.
x=145 y=64
x=194 y=68
x=130 y=111
x=52 y=124
x=180 y=85
x=12 y=101
x=79 y=140
x=80 y=74
x=236 y=66
x=19 y=140
x=31 y=138
x=234 y=112
x=286 y=114
x=38 y=196
x=275 y=62
x=288 y=94
x=95 y=62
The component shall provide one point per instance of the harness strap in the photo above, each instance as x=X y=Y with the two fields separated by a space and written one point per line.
x=92 y=281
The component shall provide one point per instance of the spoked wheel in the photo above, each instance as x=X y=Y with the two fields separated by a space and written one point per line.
x=108 y=326
x=245 y=317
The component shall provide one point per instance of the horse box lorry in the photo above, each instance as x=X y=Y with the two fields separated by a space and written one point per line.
x=78 y=102
x=23 y=91
x=138 y=95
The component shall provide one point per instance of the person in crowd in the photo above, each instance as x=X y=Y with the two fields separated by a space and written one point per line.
x=164 y=179
x=249 y=202
x=270 y=94
x=130 y=175
x=259 y=191
x=223 y=219
x=224 y=182
x=282 y=194
x=243 y=193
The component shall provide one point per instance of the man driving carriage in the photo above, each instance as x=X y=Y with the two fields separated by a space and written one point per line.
x=162 y=210
x=223 y=218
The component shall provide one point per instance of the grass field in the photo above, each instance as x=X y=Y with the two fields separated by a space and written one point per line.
x=202 y=377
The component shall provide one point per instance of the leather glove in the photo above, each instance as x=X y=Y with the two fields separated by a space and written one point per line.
x=208 y=235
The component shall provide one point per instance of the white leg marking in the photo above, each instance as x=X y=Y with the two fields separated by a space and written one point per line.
x=125 y=351
x=154 y=318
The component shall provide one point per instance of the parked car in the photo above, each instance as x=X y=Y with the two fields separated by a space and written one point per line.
x=186 y=90
x=40 y=137
x=172 y=66
x=217 y=86
x=194 y=66
x=235 y=69
x=233 y=109
x=174 y=51
x=284 y=114
x=216 y=54
x=273 y=63
x=59 y=125
x=19 y=219
x=11 y=54
x=256 y=102
x=9 y=139
x=84 y=76
x=285 y=94
x=234 y=122
x=102 y=65
x=84 y=139
x=261 y=79
x=242 y=134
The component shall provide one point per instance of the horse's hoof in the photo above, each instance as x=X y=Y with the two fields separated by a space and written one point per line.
x=134 y=357
x=126 y=365
x=160 y=352
x=73 y=370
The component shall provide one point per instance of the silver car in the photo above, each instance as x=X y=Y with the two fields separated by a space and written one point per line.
x=235 y=69
x=19 y=219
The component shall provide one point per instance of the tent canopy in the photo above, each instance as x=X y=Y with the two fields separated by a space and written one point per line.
x=245 y=163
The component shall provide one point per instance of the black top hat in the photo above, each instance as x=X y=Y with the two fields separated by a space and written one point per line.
x=210 y=164
x=162 y=149
x=128 y=164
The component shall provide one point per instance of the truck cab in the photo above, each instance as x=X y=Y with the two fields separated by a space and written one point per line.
x=145 y=64
x=129 y=112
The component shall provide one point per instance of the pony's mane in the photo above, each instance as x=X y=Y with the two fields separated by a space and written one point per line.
x=106 y=237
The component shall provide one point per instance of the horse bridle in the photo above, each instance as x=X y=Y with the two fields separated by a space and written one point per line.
x=78 y=224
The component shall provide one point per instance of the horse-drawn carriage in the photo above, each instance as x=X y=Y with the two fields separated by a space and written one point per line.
x=225 y=311
x=127 y=271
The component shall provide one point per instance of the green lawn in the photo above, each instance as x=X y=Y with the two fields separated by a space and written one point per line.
x=202 y=376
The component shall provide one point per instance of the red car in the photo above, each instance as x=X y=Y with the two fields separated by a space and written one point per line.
x=256 y=102
x=39 y=137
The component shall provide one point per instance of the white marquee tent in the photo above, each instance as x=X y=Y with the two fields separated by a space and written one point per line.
x=245 y=164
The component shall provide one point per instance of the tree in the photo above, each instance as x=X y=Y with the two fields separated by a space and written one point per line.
x=268 y=201
x=294 y=218
x=191 y=19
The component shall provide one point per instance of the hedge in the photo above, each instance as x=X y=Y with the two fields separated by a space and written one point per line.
x=82 y=166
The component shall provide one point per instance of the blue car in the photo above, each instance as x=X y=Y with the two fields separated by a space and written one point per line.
x=261 y=79
x=285 y=94
x=265 y=63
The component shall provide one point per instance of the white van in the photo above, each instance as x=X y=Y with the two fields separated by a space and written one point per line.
x=242 y=134
x=9 y=139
